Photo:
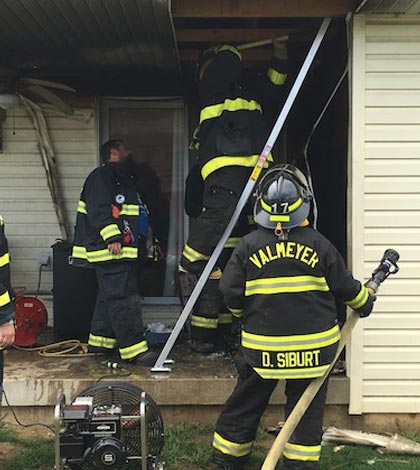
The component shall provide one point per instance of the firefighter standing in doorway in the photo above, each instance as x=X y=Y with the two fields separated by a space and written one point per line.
x=229 y=140
x=282 y=281
x=110 y=235
x=7 y=303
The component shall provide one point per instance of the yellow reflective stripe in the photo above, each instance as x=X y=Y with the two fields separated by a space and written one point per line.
x=226 y=47
x=1 y=220
x=81 y=207
x=193 y=255
x=132 y=351
x=276 y=77
x=237 y=312
x=4 y=259
x=360 y=298
x=220 y=162
x=279 y=285
x=232 y=242
x=291 y=342
x=225 y=318
x=238 y=104
x=110 y=231
x=127 y=252
x=4 y=299
x=279 y=218
x=295 y=205
x=299 y=452
x=130 y=209
x=102 y=341
x=289 y=208
x=79 y=252
x=231 y=448
x=203 y=322
x=308 y=373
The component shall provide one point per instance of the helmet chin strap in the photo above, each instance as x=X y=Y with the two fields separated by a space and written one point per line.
x=280 y=233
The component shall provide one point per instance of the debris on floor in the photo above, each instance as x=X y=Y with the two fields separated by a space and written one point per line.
x=385 y=444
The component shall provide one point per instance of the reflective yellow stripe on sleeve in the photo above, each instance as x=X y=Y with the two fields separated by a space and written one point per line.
x=300 y=452
x=130 y=209
x=292 y=342
x=275 y=77
x=360 y=299
x=81 y=207
x=4 y=259
x=110 y=231
x=231 y=448
x=4 y=299
x=289 y=284
x=232 y=242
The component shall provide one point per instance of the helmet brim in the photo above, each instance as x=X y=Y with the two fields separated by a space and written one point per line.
x=262 y=217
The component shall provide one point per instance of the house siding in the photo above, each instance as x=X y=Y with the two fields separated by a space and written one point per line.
x=385 y=210
x=26 y=204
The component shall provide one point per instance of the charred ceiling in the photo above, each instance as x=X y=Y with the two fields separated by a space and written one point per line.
x=145 y=46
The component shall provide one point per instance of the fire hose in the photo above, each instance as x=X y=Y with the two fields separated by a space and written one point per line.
x=387 y=266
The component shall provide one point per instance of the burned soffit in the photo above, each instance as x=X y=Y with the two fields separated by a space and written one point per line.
x=89 y=38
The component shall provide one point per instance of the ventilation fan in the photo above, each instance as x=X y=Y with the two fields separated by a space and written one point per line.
x=109 y=426
x=12 y=85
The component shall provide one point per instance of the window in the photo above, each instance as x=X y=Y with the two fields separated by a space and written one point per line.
x=156 y=132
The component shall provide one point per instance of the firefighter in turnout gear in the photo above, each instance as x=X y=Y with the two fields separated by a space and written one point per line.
x=110 y=235
x=7 y=302
x=228 y=141
x=282 y=281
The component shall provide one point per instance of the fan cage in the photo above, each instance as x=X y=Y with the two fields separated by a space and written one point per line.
x=128 y=396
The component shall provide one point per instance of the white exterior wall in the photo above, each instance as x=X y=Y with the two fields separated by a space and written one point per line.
x=385 y=209
x=26 y=205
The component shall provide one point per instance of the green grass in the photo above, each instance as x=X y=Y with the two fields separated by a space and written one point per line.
x=189 y=448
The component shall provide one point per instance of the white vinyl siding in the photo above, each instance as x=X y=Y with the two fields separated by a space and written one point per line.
x=25 y=200
x=385 y=210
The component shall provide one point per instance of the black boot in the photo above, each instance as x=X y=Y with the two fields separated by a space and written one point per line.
x=147 y=358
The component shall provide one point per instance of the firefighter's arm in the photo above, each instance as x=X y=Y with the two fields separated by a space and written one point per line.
x=232 y=284
x=344 y=287
x=273 y=82
x=7 y=308
x=99 y=207
x=220 y=73
x=194 y=187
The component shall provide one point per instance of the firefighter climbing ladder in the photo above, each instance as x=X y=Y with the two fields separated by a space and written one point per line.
x=158 y=367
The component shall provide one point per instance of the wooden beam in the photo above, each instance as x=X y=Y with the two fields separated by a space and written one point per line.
x=261 y=8
x=239 y=36
x=260 y=54
x=229 y=35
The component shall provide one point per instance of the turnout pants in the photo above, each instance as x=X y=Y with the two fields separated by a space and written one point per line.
x=222 y=190
x=237 y=425
x=117 y=318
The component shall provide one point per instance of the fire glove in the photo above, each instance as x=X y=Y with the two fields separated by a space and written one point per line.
x=367 y=307
x=280 y=49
